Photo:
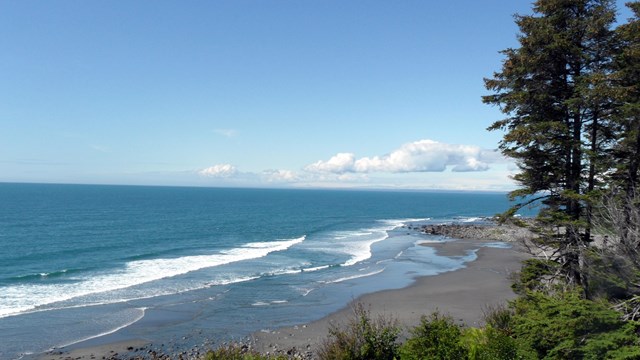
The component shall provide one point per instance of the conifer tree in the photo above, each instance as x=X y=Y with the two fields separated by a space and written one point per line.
x=554 y=90
x=626 y=155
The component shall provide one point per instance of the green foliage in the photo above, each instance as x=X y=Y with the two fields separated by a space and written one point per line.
x=236 y=352
x=611 y=276
x=437 y=337
x=531 y=275
x=499 y=318
x=626 y=154
x=566 y=326
x=555 y=91
x=473 y=339
x=500 y=346
x=492 y=344
x=362 y=338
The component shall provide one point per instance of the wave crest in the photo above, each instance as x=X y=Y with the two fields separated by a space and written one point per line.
x=23 y=298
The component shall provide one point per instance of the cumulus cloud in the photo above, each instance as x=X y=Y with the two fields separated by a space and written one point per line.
x=279 y=175
x=220 y=170
x=338 y=164
x=418 y=156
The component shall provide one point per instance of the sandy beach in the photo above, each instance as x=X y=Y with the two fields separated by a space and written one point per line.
x=107 y=351
x=464 y=294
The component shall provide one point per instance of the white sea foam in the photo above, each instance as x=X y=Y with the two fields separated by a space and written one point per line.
x=401 y=222
x=305 y=291
x=317 y=268
x=340 y=235
x=431 y=241
x=383 y=261
x=361 y=251
x=357 y=243
x=32 y=297
x=231 y=281
x=497 y=244
x=135 y=319
x=359 y=246
x=471 y=219
x=353 y=277
x=284 y=272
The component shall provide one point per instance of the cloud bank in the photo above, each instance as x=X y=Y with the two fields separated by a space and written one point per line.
x=418 y=156
x=220 y=170
x=422 y=164
x=279 y=176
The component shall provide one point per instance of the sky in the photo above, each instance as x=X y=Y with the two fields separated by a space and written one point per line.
x=254 y=93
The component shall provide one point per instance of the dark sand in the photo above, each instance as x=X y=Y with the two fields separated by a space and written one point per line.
x=108 y=351
x=464 y=294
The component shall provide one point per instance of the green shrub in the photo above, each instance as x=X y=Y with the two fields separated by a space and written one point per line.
x=566 y=326
x=437 y=337
x=611 y=274
x=473 y=339
x=237 y=352
x=532 y=274
x=499 y=317
x=361 y=338
x=489 y=343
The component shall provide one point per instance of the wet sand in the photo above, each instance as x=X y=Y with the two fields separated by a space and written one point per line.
x=107 y=351
x=464 y=294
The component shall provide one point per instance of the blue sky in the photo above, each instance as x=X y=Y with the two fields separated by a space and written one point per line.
x=258 y=93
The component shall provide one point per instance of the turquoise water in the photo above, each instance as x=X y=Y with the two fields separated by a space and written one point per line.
x=83 y=261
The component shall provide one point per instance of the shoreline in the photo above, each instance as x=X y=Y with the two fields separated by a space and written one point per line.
x=463 y=294
x=106 y=351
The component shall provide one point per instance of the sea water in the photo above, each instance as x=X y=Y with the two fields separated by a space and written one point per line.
x=81 y=262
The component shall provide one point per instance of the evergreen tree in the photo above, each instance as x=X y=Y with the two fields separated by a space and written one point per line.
x=626 y=178
x=554 y=90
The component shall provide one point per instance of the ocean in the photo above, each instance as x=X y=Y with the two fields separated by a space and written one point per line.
x=90 y=263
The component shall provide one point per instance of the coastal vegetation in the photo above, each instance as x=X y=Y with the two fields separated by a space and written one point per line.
x=363 y=337
x=571 y=94
x=564 y=325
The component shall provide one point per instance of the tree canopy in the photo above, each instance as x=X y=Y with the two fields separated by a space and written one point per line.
x=570 y=94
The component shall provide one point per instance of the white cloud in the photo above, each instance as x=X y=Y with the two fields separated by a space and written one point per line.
x=279 y=176
x=338 y=164
x=418 y=156
x=220 y=170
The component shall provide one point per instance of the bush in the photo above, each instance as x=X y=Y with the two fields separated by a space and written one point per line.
x=492 y=344
x=499 y=317
x=237 y=352
x=566 y=326
x=533 y=275
x=437 y=337
x=611 y=274
x=361 y=338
